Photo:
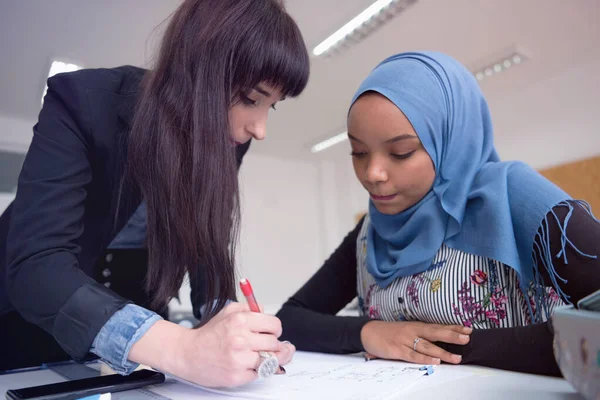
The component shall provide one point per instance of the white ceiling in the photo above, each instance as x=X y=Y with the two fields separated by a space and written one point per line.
x=553 y=99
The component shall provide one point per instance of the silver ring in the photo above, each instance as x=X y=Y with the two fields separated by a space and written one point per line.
x=417 y=340
x=268 y=364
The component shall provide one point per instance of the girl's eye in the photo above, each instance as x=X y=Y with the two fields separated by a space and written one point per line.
x=403 y=156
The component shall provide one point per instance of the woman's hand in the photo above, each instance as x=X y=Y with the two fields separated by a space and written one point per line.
x=395 y=341
x=223 y=352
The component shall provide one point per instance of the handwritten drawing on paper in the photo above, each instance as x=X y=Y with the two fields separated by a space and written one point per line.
x=316 y=376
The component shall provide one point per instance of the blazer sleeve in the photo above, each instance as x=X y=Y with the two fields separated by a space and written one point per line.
x=44 y=281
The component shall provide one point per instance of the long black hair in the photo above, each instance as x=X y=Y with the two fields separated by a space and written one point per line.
x=180 y=153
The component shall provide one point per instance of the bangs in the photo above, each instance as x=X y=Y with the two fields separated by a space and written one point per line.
x=272 y=52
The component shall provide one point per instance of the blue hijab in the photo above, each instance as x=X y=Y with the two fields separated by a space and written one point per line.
x=477 y=204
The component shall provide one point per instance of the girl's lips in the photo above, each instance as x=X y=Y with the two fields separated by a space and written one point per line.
x=383 y=198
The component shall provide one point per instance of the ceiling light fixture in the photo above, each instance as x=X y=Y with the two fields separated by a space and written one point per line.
x=500 y=64
x=325 y=144
x=363 y=24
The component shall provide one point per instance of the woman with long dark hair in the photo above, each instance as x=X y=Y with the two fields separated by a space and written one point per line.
x=130 y=183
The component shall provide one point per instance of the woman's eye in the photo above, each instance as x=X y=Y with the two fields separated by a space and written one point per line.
x=247 y=100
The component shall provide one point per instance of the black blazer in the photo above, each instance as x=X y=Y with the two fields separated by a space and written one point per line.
x=63 y=216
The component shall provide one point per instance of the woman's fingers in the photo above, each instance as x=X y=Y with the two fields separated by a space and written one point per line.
x=264 y=323
x=244 y=321
x=419 y=358
x=264 y=342
x=429 y=349
x=444 y=334
x=460 y=329
x=242 y=377
x=247 y=360
x=285 y=353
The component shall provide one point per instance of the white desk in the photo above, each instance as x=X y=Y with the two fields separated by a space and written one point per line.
x=490 y=384
x=483 y=384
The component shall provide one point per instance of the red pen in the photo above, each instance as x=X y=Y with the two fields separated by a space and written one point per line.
x=252 y=303
x=249 y=294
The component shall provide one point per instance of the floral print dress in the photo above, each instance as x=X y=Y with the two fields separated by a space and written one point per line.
x=458 y=288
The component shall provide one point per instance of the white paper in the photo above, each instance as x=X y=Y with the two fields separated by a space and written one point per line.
x=319 y=376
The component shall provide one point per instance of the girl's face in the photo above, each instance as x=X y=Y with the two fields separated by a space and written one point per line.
x=388 y=157
x=248 y=115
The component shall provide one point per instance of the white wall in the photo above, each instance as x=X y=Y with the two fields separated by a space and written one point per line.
x=342 y=198
x=5 y=199
x=15 y=133
x=561 y=126
x=15 y=136
x=279 y=247
x=280 y=239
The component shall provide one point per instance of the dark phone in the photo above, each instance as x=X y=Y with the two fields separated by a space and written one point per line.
x=88 y=387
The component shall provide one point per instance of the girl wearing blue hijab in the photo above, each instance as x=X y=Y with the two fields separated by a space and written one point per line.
x=456 y=244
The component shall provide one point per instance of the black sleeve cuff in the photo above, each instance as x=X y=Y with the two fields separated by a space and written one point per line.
x=83 y=315
x=354 y=328
x=522 y=349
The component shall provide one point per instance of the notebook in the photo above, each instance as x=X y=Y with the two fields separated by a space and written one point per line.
x=317 y=376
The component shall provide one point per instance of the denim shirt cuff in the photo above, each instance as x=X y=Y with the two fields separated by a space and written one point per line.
x=114 y=341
